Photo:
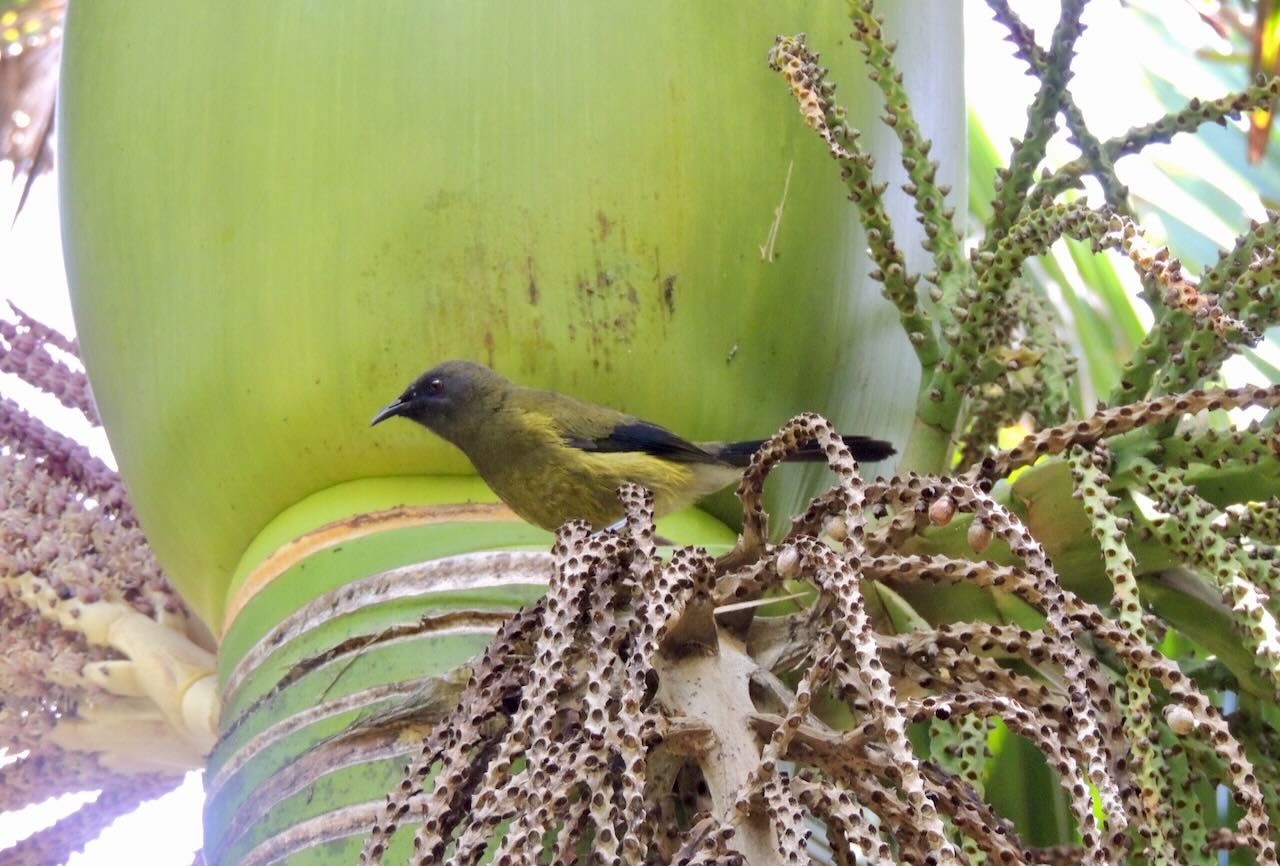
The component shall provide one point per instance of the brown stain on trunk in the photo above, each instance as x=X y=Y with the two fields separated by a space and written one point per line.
x=534 y=294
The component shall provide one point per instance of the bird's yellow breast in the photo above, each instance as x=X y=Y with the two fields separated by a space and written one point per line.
x=548 y=481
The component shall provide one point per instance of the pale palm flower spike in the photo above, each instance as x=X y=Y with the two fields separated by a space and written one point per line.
x=106 y=679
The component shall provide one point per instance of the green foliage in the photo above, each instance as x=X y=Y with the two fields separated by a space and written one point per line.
x=1174 y=494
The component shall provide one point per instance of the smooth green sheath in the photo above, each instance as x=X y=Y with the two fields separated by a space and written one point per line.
x=369 y=495
x=276 y=214
x=363 y=496
x=350 y=560
x=276 y=766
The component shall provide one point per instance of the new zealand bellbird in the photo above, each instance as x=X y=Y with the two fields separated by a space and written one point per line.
x=552 y=458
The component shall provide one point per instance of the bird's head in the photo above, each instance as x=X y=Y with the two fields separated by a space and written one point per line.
x=449 y=399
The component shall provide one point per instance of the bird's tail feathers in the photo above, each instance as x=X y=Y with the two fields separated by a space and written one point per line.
x=864 y=448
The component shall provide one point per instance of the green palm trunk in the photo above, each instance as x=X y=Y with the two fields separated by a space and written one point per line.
x=277 y=214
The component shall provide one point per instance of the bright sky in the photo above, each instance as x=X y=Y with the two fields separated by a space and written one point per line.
x=996 y=86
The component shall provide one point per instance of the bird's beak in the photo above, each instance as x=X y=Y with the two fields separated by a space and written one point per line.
x=391 y=410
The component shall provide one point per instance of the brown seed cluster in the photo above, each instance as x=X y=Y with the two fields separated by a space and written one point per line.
x=554 y=731
x=622 y=712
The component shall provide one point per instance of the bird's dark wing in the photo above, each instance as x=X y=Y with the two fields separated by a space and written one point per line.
x=641 y=436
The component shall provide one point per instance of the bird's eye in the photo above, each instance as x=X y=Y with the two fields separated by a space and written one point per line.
x=435 y=386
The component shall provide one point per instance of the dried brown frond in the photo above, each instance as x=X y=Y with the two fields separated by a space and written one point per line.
x=30 y=51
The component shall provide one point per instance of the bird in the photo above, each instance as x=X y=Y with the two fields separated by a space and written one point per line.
x=552 y=458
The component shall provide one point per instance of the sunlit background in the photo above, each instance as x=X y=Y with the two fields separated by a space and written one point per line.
x=1135 y=62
